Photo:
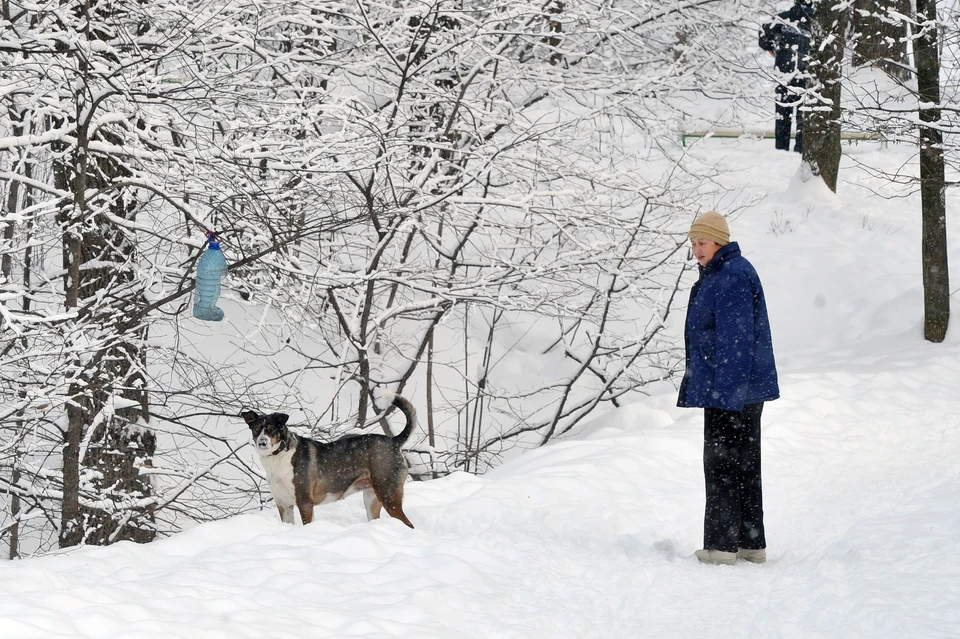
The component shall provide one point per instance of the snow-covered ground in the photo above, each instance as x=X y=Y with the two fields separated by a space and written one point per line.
x=593 y=536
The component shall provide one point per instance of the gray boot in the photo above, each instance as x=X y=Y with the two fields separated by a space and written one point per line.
x=718 y=557
x=757 y=556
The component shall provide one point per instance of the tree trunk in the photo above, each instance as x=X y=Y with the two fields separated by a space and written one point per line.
x=879 y=37
x=14 y=549
x=105 y=499
x=936 y=277
x=109 y=408
x=821 y=104
x=71 y=525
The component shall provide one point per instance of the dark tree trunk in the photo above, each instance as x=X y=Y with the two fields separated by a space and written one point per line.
x=821 y=105
x=936 y=278
x=109 y=394
x=104 y=493
x=105 y=498
x=66 y=178
x=879 y=37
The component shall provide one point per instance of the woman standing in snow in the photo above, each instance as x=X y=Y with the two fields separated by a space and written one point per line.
x=730 y=373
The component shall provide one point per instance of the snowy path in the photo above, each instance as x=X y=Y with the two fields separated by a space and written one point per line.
x=587 y=538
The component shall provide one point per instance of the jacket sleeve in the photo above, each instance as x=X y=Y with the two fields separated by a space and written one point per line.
x=734 y=343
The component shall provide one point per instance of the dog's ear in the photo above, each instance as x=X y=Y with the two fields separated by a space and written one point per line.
x=281 y=418
x=250 y=417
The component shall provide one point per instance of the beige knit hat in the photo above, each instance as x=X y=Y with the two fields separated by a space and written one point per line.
x=710 y=226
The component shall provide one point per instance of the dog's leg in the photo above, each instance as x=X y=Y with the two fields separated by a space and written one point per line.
x=387 y=480
x=306 y=511
x=286 y=512
x=393 y=501
x=372 y=504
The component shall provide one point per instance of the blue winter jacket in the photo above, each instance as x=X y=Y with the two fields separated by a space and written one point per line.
x=727 y=336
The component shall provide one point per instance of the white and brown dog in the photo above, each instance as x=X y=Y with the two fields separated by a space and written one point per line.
x=305 y=472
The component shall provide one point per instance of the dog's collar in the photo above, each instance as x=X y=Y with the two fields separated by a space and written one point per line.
x=282 y=447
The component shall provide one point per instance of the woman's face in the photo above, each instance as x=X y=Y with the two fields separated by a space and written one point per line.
x=703 y=250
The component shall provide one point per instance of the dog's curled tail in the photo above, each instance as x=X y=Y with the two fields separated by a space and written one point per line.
x=408 y=411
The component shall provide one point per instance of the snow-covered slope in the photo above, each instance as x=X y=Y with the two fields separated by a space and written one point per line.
x=593 y=536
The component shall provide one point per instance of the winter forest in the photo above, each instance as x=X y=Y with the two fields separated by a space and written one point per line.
x=405 y=191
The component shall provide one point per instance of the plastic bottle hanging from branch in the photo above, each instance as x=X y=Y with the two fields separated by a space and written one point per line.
x=211 y=268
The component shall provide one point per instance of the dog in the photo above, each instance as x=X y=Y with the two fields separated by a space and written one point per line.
x=306 y=472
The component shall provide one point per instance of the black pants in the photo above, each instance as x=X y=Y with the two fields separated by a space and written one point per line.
x=787 y=108
x=733 y=517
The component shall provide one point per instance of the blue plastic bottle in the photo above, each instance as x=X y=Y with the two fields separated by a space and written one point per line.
x=211 y=267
